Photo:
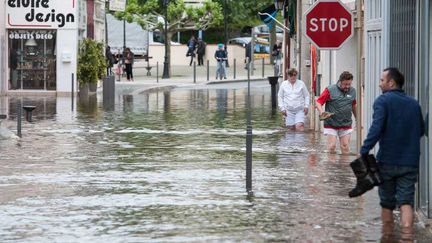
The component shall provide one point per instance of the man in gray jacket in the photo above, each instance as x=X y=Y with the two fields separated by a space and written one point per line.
x=340 y=101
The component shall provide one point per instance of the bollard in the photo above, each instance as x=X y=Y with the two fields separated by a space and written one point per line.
x=29 y=109
x=109 y=93
x=273 y=80
x=235 y=65
x=18 y=114
x=157 y=72
x=72 y=92
x=263 y=67
x=194 y=72
x=249 y=142
x=249 y=159
x=208 y=70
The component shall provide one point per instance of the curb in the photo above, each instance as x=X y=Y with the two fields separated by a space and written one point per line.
x=235 y=81
x=153 y=89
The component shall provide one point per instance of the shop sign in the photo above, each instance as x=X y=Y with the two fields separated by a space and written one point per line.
x=27 y=35
x=117 y=5
x=52 y=14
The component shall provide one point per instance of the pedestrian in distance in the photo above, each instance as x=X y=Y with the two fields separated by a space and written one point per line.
x=110 y=59
x=129 y=61
x=277 y=55
x=340 y=101
x=248 y=55
x=192 y=44
x=201 y=48
x=293 y=101
x=118 y=68
x=221 y=58
x=398 y=126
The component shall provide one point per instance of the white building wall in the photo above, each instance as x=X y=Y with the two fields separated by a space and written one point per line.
x=376 y=53
x=334 y=62
x=67 y=44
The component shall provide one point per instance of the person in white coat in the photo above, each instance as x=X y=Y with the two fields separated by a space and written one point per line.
x=293 y=101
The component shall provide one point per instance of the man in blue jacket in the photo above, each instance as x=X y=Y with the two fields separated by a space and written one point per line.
x=398 y=126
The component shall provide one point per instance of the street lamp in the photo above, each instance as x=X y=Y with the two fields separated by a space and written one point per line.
x=225 y=29
x=165 y=67
x=283 y=5
x=279 y=4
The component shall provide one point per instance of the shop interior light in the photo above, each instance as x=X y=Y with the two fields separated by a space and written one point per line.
x=30 y=42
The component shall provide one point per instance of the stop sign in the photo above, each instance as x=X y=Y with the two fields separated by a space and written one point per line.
x=329 y=24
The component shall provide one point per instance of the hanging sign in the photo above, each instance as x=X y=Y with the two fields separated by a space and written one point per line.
x=117 y=5
x=47 y=14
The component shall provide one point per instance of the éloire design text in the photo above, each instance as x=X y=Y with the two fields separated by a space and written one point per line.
x=35 y=16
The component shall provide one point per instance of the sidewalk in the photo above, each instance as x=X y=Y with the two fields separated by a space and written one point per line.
x=184 y=75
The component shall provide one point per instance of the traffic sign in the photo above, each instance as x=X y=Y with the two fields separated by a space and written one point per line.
x=329 y=24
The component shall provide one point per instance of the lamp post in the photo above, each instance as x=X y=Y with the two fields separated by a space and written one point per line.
x=225 y=30
x=283 y=5
x=165 y=65
x=279 y=4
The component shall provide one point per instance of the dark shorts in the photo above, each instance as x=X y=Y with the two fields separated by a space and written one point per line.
x=398 y=187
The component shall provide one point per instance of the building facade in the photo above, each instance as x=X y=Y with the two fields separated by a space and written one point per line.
x=39 y=43
x=397 y=33
x=41 y=46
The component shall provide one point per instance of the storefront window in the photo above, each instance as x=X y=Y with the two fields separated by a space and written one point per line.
x=32 y=59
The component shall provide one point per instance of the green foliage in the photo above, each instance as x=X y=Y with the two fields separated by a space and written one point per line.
x=244 y=13
x=180 y=17
x=91 y=62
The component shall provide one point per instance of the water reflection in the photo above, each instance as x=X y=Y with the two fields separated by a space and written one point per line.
x=170 y=166
x=88 y=105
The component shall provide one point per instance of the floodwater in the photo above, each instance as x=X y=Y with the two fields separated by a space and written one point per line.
x=169 y=166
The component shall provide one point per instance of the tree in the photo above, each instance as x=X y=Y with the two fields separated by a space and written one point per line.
x=150 y=16
x=244 y=13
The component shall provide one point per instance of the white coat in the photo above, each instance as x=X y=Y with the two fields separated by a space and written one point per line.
x=293 y=97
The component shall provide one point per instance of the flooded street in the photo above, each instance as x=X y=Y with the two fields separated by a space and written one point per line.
x=169 y=166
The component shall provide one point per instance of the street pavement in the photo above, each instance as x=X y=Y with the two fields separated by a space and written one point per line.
x=169 y=167
x=184 y=76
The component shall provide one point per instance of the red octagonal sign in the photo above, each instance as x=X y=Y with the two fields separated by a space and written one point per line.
x=329 y=24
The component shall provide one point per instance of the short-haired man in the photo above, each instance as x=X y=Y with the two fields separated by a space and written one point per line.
x=221 y=58
x=339 y=100
x=398 y=126
x=293 y=99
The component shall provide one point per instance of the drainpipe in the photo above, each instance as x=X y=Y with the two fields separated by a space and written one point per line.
x=359 y=28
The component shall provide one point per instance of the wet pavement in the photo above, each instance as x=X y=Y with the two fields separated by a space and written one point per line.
x=169 y=166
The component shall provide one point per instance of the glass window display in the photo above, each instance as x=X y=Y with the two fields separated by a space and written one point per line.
x=32 y=59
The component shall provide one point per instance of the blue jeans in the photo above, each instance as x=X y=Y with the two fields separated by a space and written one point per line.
x=220 y=71
x=398 y=187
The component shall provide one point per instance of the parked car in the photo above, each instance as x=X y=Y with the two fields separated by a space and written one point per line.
x=261 y=45
x=263 y=31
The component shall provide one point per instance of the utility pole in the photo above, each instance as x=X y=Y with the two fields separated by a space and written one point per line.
x=226 y=30
x=359 y=28
x=165 y=65
x=304 y=59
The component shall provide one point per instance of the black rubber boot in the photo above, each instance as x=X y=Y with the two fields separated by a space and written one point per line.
x=373 y=169
x=365 y=180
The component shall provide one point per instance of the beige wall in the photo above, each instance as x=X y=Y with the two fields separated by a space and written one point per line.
x=178 y=54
